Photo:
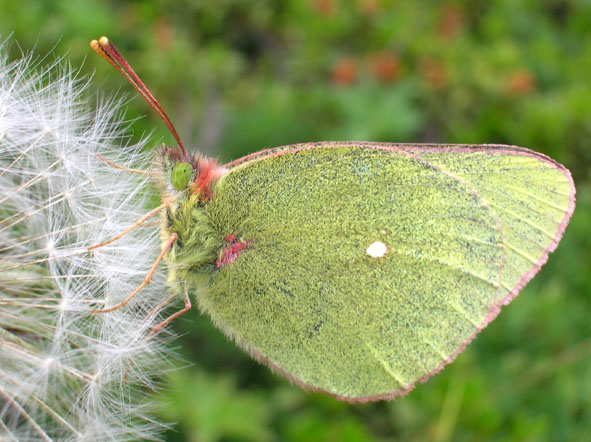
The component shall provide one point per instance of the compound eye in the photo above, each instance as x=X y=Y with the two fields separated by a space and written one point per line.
x=181 y=173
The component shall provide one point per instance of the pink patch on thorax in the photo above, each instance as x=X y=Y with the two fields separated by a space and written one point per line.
x=208 y=172
x=232 y=251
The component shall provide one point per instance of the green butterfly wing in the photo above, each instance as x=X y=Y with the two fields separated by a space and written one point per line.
x=465 y=227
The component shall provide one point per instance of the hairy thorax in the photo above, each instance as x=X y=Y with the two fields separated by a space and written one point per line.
x=199 y=245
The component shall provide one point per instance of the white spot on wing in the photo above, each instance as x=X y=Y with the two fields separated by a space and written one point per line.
x=377 y=249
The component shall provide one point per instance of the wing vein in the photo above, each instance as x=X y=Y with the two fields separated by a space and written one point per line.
x=387 y=367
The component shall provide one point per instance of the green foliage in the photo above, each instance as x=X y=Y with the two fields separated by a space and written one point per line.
x=237 y=76
x=210 y=408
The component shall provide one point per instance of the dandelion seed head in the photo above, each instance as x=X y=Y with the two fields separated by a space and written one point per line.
x=67 y=374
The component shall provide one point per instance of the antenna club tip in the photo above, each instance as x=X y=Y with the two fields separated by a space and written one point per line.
x=94 y=44
x=104 y=41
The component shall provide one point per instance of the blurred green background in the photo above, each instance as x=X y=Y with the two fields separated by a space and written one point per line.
x=237 y=76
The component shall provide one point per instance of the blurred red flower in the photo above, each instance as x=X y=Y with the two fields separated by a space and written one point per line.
x=344 y=71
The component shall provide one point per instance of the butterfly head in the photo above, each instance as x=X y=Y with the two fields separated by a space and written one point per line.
x=193 y=174
x=181 y=171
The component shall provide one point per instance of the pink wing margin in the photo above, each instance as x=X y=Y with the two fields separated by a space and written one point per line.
x=417 y=149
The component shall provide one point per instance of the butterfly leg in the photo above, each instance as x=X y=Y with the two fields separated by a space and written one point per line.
x=126 y=169
x=138 y=223
x=146 y=281
x=164 y=323
x=172 y=317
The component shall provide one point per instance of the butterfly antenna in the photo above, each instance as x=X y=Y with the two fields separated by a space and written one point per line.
x=109 y=52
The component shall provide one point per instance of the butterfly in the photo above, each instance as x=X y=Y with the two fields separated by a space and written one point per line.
x=353 y=268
